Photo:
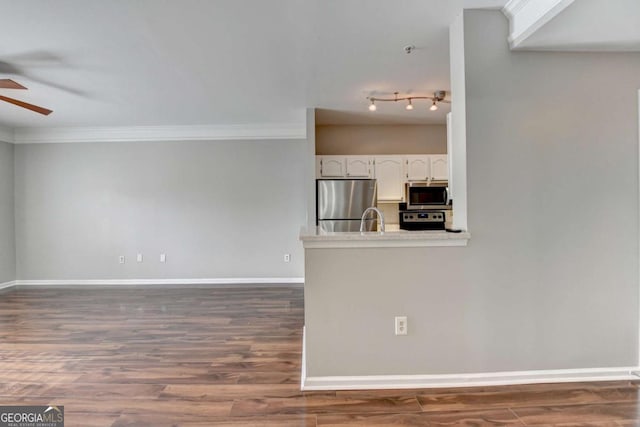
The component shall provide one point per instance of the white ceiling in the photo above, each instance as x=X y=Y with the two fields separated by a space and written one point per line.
x=103 y=63
x=121 y=63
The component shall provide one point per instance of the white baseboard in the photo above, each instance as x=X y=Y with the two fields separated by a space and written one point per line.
x=466 y=380
x=371 y=382
x=219 y=282
x=6 y=285
x=303 y=371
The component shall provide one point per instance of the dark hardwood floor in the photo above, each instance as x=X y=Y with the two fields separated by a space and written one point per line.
x=158 y=356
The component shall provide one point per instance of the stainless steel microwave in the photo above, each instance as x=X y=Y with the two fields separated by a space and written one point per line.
x=424 y=195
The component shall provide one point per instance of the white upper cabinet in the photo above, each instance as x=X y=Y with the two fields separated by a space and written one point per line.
x=418 y=168
x=330 y=167
x=439 y=167
x=433 y=167
x=389 y=172
x=358 y=167
x=344 y=167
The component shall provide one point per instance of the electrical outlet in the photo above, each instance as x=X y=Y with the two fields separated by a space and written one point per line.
x=163 y=257
x=401 y=325
x=139 y=258
x=287 y=257
x=121 y=259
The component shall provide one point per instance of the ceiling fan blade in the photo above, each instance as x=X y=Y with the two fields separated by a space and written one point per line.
x=34 y=56
x=10 y=84
x=31 y=107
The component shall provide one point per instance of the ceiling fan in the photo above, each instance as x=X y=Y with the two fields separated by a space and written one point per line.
x=10 y=84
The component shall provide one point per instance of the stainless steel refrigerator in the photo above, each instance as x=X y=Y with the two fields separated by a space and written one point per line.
x=341 y=202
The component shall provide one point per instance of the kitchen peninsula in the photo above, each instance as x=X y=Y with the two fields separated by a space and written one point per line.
x=349 y=311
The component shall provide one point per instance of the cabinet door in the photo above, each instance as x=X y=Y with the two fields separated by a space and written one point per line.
x=418 y=168
x=389 y=172
x=439 y=167
x=332 y=167
x=358 y=167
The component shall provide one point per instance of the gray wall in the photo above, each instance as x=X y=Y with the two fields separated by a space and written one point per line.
x=381 y=139
x=222 y=209
x=7 y=236
x=550 y=277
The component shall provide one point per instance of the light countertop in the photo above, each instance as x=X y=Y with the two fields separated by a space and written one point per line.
x=316 y=238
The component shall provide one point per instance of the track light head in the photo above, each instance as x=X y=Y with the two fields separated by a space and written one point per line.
x=439 y=95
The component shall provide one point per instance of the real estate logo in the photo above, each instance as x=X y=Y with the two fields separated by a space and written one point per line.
x=32 y=416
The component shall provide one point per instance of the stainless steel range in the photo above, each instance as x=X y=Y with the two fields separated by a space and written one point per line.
x=422 y=220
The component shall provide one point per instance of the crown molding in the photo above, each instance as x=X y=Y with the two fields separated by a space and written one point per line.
x=483 y=4
x=158 y=133
x=528 y=16
x=512 y=7
x=6 y=135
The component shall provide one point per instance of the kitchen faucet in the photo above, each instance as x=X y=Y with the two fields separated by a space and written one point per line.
x=380 y=215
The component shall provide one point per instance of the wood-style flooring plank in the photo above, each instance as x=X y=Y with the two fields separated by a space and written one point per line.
x=158 y=421
x=597 y=413
x=535 y=395
x=314 y=403
x=495 y=417
x=233 y=391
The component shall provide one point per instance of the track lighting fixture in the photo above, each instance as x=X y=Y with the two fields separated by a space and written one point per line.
x=438 y=96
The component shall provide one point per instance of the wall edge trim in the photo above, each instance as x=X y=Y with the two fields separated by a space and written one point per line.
x=253 y=281
x=364 y=382
x=7 y=285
